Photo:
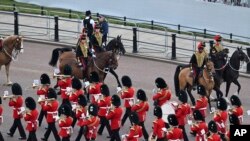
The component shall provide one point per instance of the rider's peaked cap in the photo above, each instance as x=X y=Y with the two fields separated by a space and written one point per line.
x=67 y=70
x=141 y=95
x=94 y=77
x=134 y=118
x=158 y=111
x=172 y=120
x=183 y=96
x=160 y=83
x=126 y=81
x=93 y=109
x=235 y=100
x=233 y=119
x=16 y=89
x=221 y=104
x=212 y=126
x=115 y=100
x=30 y=103
x=82 y=100
x=201 y=90
x=105 y=90
x=52 y=93
x=45 y=79
x=76 y=83
x=66 y=110
x=197 y=115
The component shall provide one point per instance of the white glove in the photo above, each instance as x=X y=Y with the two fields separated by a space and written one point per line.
x=93 y=56
x=118 y=89
x=86 y=84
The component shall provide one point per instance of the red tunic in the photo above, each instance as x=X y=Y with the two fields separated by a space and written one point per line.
x=162 y=96
x=74 y=96
x=201 y=105
x=80 y=115
x=43 y=90
x=175 y=134
x=220 y=118
x=63 y=84
x=141 y=109
x=158 y=124
x=1 y=112
x=94 y=88
x=51 y=108
x=115 y=117
x=16 y=103
x=214 y=137
x=65 y=127
x=92 y=123
x=31 y=119
x=103 y=105
x=135 y=133
x=128 y=94
x=238 y=111
x=201 y=130
x=181 y=113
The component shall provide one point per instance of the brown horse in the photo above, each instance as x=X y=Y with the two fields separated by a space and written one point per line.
x=184 y=81
x=11 y=47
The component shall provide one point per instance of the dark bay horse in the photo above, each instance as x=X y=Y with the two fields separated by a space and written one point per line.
x=11 y=46
x=183 y=80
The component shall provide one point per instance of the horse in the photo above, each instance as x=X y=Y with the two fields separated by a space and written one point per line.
x=11 y=46
x=230 y=70
x=184 y=81
x=104 y=59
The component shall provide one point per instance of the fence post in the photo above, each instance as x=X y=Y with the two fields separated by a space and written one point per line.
x=205 y=33
x=14 y=7
x=173 y=47
x=16 y=31
x=97 y=15
x=56 y=29
x=135 y=40
x=125 y=23
x=152 y=24
x=211 y=44
x=179 y=29
x=231 y=37
x=70 y=11
x=42 y=10
x=248 y=64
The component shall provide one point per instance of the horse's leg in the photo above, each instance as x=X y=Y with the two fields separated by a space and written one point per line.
x=189 y=89
x=228 y=84
x=208 y=98
x=236 y=82
x=7 y=69
x=116 y=77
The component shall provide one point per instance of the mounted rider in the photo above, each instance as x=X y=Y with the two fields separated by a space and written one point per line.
x=82 y=51
x=97 y=36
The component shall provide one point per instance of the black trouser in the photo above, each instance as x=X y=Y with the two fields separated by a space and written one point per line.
x=32 y=136
x=64 y=101
x=1 y=137
x=74 y=119
x=104 y=123
x=161 y=139
x=104 y=39
x=41 y=115
x=17 y=124
x=52 y=127
x=115 y=136
x=126 y=115
x=66 y=138
x=144 y=131
x=80 y=133
x=184 y=132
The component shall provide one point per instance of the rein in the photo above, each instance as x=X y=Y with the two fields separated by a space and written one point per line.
x=98 y=67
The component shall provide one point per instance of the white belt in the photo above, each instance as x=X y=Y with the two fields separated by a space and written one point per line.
x=69 y=129
x=36 y=121
x=63 y=89
x=175 y=140
x=104 y=107
x=55 y=112
x=129 y=98
x=205 y=108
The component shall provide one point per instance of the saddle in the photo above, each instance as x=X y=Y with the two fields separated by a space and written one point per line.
x=1 y=43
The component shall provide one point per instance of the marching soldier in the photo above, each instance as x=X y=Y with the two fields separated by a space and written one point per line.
x=114 y=114
x=127 y=93
x=135 y=131
x=42 y=92
x=65 y=122
x=104 y=102
x=97 y=37
x=202 y=102
x=237 y=108
x=81 y=114
x=141 y=108
x=82 y=52
x=213 y=132
x=30 y=116
x=199 y=127
x=234 y=120
x=158 y=125
x=174 y=133
x=163 y=93
x=182 y=111
x=220 y=117
x=51 y=107
x=73 y=97
x=1 y=118
x=16 y=101
x=95 y=87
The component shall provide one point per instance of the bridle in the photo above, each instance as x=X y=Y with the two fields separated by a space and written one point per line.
x=15 y=48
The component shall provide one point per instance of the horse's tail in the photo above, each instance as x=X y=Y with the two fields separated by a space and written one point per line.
x=176 y=79
x=55 y=55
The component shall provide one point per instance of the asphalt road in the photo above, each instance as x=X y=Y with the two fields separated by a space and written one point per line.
x=34 y=61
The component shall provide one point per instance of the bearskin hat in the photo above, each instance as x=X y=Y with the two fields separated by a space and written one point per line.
x=201 y=90
x=76 y=83
x=172 y=120
x=158 y=111
x=221 y=104
x=212 y=126
x=66 y=110
x=234 y=120
x=67 y=70
x=160 y=83
x=52 y=93
x=93 y=109
x=16 y=89
x=217 y=38
x=45 y=79
x=235 y=100
x=141 y=95
x=183 y=96
x=82 y=100
x=0 y=100
x=115 y=100
x=88 y=13
x=197 y=115
x=134 y=118
x=126 y=81
x=94 y=77
x=105 y=90
x=30 y=103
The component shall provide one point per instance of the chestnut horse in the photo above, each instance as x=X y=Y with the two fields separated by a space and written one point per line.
x=11 y=46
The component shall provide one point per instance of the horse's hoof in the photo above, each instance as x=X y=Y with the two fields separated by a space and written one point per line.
x=236 y=93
